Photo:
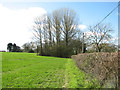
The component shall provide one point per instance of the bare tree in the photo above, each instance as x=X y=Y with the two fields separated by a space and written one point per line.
x=56 y=23
x=29 y=47
x=69 y=23
x=38 y=31
x=69 y=28
x=49 y=23
x=99 y=34
x=48 y=29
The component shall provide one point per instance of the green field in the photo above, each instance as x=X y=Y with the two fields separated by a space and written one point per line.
x=26 y=70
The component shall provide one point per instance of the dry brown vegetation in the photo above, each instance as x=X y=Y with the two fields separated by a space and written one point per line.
x=102 y=66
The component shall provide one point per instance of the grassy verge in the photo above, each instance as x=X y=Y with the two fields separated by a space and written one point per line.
x=77 y=78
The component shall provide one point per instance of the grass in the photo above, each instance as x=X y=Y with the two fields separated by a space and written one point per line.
x=26 y=70
x=0 y=71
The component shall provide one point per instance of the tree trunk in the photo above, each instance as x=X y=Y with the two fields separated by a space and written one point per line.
x=97 y=48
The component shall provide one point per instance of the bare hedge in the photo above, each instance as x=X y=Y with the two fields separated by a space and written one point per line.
x=102 y=66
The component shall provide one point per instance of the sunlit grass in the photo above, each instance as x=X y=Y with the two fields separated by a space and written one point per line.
x=26 y=70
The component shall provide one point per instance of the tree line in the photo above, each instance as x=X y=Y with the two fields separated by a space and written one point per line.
x=57 y=34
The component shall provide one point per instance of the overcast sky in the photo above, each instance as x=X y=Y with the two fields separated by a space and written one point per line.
x=16 y=18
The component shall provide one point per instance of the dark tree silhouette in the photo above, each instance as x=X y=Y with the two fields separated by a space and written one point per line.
x=9 y=47
x=13 y=48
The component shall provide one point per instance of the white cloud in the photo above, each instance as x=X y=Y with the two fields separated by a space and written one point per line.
x=15 y=25
x=82 y=27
